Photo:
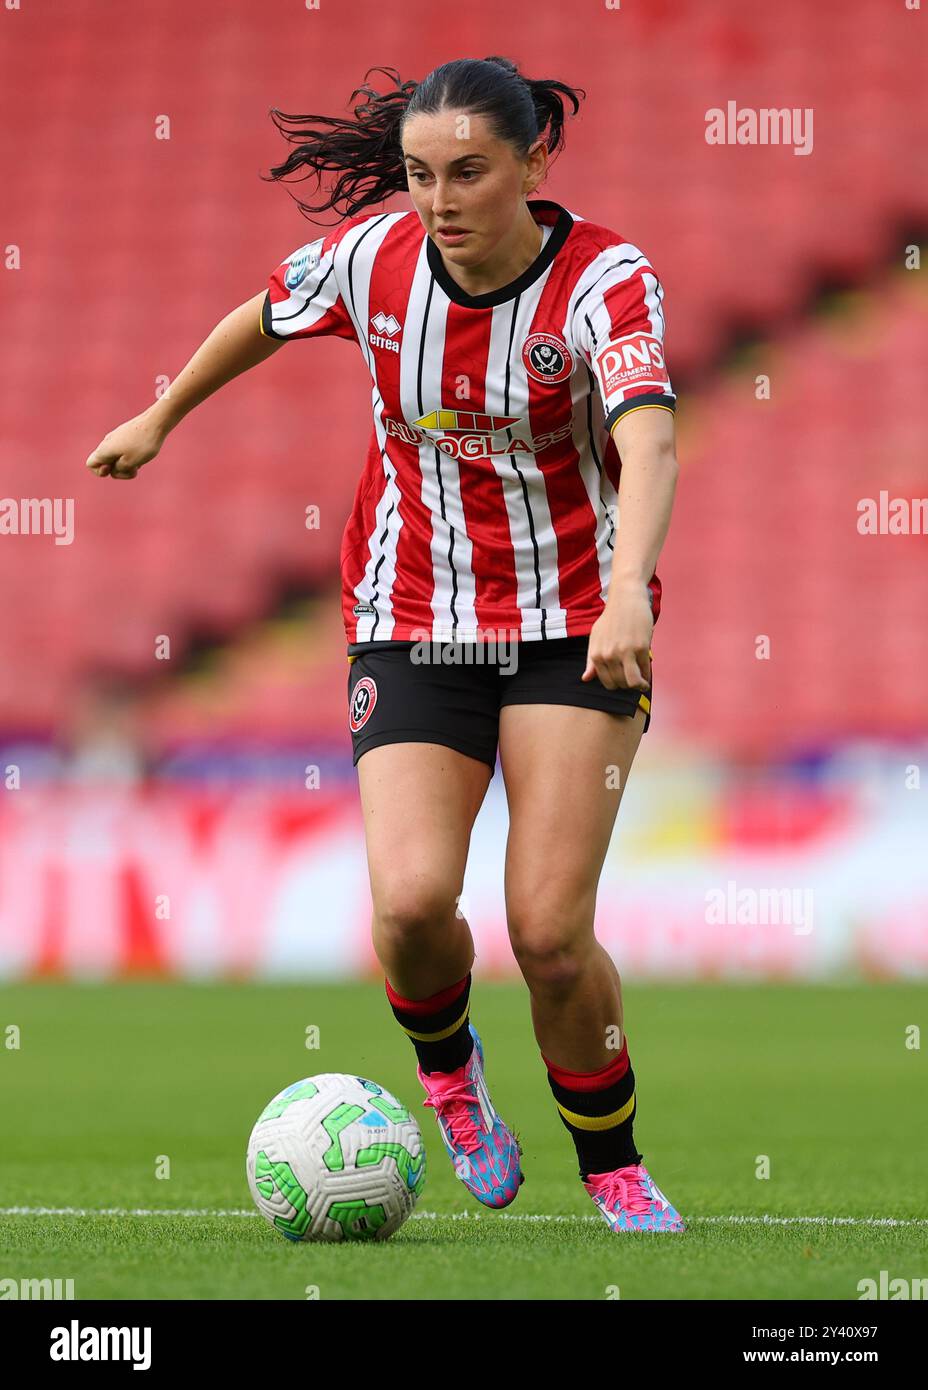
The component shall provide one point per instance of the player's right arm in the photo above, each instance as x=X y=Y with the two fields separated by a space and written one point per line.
x=235 y=344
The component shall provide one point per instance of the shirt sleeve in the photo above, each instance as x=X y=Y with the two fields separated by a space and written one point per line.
x=303 y=298
x=617 y=326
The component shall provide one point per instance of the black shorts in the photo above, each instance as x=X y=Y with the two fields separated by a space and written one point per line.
x=395 y=699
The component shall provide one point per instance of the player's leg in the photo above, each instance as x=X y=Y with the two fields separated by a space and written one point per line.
x=562 y=805
x=562 y=808
x=419 y=802
x=420 y=799
x=424 y=739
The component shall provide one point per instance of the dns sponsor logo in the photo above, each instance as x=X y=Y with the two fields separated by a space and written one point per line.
x=637 y=358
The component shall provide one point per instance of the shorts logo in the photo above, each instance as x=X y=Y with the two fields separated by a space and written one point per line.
x=546 y=357
x=363 y=701
x=360 y=609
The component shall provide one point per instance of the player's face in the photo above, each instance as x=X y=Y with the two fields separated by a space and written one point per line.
x=460 y=175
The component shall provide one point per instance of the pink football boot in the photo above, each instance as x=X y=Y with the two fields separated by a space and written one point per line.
x=630 y=1200
x=485 y=1153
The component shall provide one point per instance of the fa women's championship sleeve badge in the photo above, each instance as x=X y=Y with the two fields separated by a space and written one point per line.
x=546 y=357
x=301 y=263
x=363 y=700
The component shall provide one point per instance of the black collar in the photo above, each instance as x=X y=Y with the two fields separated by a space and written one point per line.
x=559 y=234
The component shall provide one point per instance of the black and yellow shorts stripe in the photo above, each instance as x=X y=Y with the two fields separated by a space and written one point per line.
x=394 y=696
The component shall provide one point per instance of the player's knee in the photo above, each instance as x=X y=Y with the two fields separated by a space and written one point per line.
x=408 y=910
x=549 y=957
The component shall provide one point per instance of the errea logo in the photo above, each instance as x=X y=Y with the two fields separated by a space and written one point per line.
x=386 y=326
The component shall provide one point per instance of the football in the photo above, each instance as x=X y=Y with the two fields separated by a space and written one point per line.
x=333 y=1158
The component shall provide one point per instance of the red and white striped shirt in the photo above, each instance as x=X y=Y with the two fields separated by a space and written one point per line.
x=487 y=505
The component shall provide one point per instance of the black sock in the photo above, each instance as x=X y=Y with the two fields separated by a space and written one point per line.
x=437 y=1026
x=598 y=1109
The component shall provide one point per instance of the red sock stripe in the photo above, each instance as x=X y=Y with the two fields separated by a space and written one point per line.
x=431 y=1005
x=591 y=1080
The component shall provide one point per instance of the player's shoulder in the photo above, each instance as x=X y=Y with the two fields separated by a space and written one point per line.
x=362 y=227
x=354 y=234
x=591 y=241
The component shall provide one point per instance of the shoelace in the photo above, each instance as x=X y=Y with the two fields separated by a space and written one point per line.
x=453 y=1104
x=631 y=1193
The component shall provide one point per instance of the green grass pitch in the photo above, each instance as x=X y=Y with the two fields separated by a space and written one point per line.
x=819 y=1079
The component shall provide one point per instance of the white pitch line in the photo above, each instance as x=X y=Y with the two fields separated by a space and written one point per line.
x=733 y=1220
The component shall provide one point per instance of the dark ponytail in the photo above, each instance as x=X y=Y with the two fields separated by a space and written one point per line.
x=366 y=153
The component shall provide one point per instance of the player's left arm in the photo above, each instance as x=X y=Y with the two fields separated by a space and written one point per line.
x=620 y=639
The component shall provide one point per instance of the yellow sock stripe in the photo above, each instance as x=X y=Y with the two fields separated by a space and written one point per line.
x=598 y=1121
x=445 y=1032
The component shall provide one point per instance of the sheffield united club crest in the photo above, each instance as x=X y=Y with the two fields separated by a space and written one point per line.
x=546 y=357
x=363 y=700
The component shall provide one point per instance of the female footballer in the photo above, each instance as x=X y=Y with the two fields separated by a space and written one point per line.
x=521 y=403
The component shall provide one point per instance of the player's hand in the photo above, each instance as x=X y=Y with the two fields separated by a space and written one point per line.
x=619 y=650
x=122 y=452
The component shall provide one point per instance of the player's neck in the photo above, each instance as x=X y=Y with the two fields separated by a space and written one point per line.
x=509 y=260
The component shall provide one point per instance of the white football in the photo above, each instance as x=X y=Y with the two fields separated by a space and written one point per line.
x=335 y=1157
